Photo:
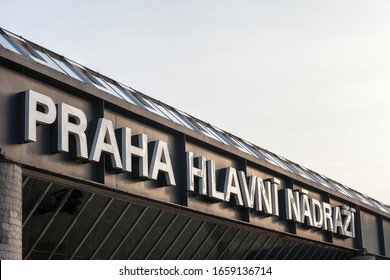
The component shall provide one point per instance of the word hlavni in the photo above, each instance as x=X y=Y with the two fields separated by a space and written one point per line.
x=151 y=159
x=263 y=196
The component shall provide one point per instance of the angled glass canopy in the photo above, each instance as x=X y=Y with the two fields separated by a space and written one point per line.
x=68 y=67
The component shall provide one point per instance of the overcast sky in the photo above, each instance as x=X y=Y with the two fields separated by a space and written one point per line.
x=308 y=80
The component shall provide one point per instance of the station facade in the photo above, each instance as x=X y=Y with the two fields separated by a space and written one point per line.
x=93 y=169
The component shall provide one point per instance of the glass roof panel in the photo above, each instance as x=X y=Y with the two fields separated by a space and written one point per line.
x=30 y=50
x=254 y=150
x=106 y=87
x=48 y=61
x=240 y=146
x=123 y=93
x=8 y=44
x=66 y=67
x=167 y=113
x=130 y=93
x=207 y=132
x=183 y=120
x=152 y=107
x=24 y=47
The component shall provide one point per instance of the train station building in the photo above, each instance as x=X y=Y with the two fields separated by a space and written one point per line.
x=91 y=168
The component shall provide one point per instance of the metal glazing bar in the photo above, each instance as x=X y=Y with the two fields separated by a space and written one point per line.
x=238 y=247
x=121 y=91
x=177 y=238
x=377 y=204
x=341 y=256
x=314 y=252
x=106 y=87
x=228 y=245
x=298 y=251
x=261 y=248
x=289 y=251
x=71 y=226
x=334 y=255
x=250 y=247
x=131 y=93
x=167 y=113
x=68 y=68
x=204 y=242
x=346 y=256
x=323 y=252
x=270 y=250
x=307 y=251
x=62 y=203
x=9 y=44
x=238 y=145
x=192 y=238
x=91 y=228
x=30 y=51
x=25 y=182
x=329 y=252
x=48 y=61
x=151 y=107
x=161 y=236
x=216 y=243
x=280 y=250
x=146 y=234
x=184 y=119
x=37 y=204
x=111 y=230
x=128 y=232
x=254 y=150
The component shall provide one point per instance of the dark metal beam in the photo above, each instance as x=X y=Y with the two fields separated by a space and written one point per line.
x=91 y=228
x=111 y=230
x=129 y=232
x=230 y=243
x=192 y=238
x=71 y=225
x=204 y=242
x=37 y=204
x=216 y=243
x=161 y=236
x=145 y=235
x=177 y=238
x=65 y=198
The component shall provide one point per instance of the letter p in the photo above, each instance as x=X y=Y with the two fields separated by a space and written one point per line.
x=37 y=108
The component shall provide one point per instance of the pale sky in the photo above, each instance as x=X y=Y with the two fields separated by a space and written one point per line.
x=307 y=80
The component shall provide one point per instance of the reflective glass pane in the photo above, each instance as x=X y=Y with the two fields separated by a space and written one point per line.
x=218 y=134
x=6 y=43
x=239 y=146
x=339 y=188
x=152 y=108
x=167 y=114
x=106 y=87
x=131 y=94
x=67 y=68
x=184 y=120
x=195 y=123
x=122 y=92
x=272 y=159
x=25 y=48
x=49 y=62
x=206 y=132
x=254 y=150
x=224 y=137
